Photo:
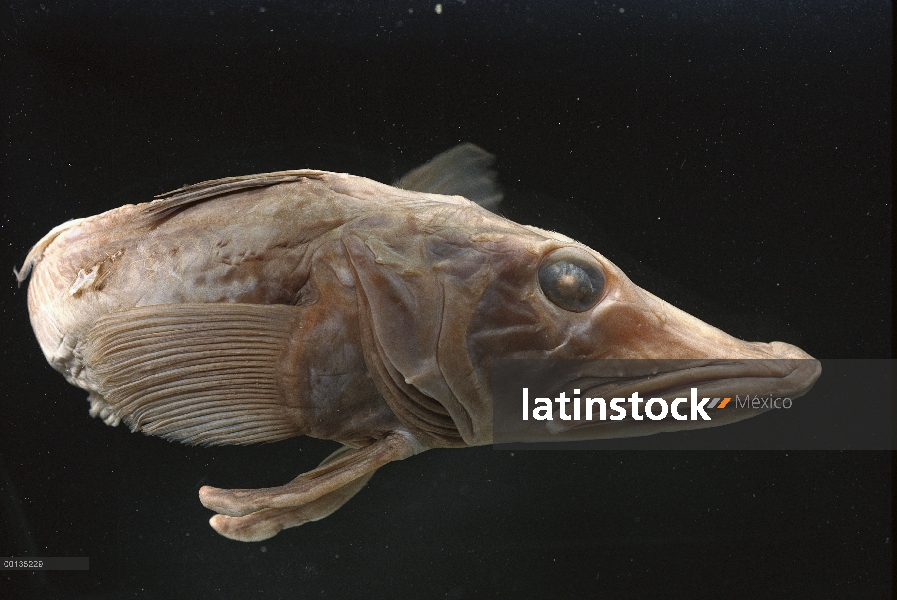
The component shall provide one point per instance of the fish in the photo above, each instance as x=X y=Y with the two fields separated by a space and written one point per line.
x=257 y=308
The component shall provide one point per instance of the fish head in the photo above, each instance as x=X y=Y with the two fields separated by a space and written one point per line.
x=449 y=290
x=579 y=306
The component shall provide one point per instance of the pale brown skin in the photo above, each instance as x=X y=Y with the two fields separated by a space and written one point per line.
x=323 y=304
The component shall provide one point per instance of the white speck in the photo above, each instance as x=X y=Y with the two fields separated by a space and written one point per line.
x=83 y=280
x=622 y=10
x=438 y=9
x=262 y=9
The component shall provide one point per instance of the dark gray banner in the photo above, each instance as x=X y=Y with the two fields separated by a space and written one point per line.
x=44 y=563
x=775 y=404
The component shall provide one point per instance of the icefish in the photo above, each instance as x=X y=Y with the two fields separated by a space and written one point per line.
x=253 y=309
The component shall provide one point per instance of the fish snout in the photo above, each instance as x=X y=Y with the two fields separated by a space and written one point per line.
x=639 y=325
x=783 y=350
x=797 y=371
x=677 y=334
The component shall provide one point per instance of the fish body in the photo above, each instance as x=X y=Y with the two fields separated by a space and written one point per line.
x=205 y=260
x=314 y=303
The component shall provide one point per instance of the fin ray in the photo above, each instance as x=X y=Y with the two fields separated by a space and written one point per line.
x=464 y=170
x=170 y=202
x=196 y=373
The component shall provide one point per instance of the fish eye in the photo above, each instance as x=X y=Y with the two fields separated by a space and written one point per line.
x=571 y=280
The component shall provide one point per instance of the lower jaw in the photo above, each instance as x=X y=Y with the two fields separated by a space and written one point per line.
x=744 y=384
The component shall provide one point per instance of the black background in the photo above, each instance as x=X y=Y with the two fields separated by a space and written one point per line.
x=734 y=160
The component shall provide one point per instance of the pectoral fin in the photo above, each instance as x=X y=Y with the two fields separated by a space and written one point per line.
x=195 y=373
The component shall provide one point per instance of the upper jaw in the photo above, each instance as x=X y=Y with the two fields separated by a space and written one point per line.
x=671 y=378
x=675 y=351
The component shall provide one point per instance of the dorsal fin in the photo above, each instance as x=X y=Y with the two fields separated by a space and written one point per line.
x=165 y=204
x=464 y=170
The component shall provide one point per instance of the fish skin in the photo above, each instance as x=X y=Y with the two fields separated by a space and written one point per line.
x=384 y=309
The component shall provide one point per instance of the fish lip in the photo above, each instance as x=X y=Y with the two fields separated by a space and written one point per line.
x=724 y=378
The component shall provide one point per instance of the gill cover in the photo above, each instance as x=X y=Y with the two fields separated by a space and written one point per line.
x=419 y=286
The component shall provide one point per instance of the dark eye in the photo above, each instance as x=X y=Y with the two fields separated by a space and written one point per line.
x=570 y=281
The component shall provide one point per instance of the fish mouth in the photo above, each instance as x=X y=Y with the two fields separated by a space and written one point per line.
x=765 y=379
x=673 y=378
